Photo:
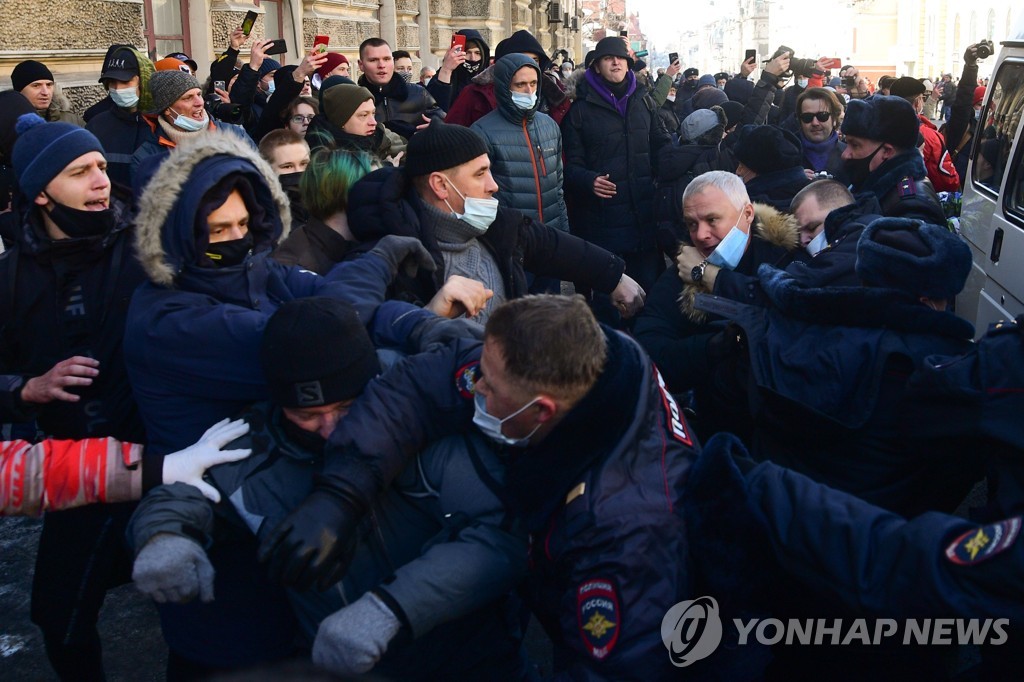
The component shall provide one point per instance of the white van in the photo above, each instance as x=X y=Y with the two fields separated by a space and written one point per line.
x=992 y=216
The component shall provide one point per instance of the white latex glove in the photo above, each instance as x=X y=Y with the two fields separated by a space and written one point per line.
x=189 y=465
x=172 y=568
x=628 y=297
x=352 y=640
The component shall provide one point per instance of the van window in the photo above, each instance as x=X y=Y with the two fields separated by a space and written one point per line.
x=999 y=122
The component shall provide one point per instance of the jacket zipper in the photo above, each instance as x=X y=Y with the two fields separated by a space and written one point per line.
x=536 y=177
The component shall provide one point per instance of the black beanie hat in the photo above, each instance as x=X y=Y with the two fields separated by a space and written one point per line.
x=914 y=257
x=519 y=42
x=29 y=71
x=739 y=90
x=733 y=112
x=440 y=147
x=315 y=351
x=764 y=149
x=907 y=87
x=612 y=46
x=883 y=119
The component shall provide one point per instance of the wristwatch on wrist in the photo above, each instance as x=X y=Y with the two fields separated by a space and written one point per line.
x=697 y=274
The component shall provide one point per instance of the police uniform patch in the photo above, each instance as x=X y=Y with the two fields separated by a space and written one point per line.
x=907 y=187
x=981 y=544
x=597 y=610
x=466 y=378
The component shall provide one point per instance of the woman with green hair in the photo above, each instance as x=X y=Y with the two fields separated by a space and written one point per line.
x=324 y=240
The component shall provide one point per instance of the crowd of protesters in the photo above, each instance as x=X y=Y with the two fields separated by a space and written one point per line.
x=472 y=328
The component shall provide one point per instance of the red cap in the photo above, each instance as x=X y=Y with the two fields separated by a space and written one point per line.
x=334 y=60
x=979 y=95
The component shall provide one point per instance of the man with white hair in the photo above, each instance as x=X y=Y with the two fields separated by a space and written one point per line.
x=720 y=258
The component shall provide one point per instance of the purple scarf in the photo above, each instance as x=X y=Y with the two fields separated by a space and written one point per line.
x=817 y=152
x=602 y=89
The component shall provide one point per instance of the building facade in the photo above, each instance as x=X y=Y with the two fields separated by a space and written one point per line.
x=72 y=36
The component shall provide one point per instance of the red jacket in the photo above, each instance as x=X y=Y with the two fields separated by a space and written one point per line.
x=936 y=159
x=60 y=474
x=477 y=100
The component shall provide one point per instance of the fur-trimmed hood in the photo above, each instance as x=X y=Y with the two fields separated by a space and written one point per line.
x=573 y=81
x=165 y=238
x=771 y=226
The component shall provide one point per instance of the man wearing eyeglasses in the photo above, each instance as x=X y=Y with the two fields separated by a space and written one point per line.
x=819 y=112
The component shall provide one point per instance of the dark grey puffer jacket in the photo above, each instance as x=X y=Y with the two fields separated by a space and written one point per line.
x=526 y=151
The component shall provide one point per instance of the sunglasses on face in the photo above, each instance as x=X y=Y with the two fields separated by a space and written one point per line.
x=822 y=116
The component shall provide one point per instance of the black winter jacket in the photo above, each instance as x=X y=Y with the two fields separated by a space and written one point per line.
x=121 y=132
x=600 y=141
x=401 y=106
x=903 y=189
x=64 y=298
x=385 y=202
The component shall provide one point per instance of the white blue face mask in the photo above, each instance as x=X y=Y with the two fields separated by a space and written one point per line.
x=801 y=82
x=817 y=244
x=189 y=124
x=730 y=250
x=524 y=101
x=126 y=98
x=271 y=86
x=479 y=213
x=491 y=425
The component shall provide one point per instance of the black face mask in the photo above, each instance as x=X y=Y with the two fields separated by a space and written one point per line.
x=76 y=223
x=472 y=67
x=858 y=170
x=290 y=180
x=233 y=252
x=310 y=441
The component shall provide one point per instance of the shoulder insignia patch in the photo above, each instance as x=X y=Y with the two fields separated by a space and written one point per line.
x=981 y=544
x=466 y=378
x=598 y=614
x=907 y=187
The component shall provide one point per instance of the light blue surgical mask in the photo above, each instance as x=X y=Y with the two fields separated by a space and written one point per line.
x=524 y=101
x=801 y=82
x=730 y=250
x=271 y=86
x=817 y=244
x=126 y=98
x=479 y=213
x=189 y=124
x=491 y=425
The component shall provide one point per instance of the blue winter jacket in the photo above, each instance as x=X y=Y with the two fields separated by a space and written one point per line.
x=525 y=149
x=600 y=494
x=193 y=332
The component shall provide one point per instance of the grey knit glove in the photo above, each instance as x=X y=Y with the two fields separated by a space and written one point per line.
x=171 y=568
x=352 y=640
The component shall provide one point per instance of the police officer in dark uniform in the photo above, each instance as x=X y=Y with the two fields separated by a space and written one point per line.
x=881 y=158
x=875 y=562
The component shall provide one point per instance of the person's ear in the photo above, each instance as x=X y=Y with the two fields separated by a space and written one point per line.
x=547 y=408
x=439 y=185
x=41 y=199
x=748 y=213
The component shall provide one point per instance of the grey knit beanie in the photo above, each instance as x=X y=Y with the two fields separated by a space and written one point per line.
x=167 y=86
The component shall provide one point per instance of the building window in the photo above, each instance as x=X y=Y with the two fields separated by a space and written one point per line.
x=165 y=25
x=272 y=24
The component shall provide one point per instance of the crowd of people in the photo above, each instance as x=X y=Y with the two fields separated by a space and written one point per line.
x=472 y=330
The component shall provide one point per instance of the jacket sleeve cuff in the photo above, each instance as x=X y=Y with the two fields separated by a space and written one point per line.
x=152 y=471
x=396 y=608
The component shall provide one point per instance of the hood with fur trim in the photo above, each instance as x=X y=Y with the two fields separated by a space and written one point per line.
x=771 y=226
x=165 y=238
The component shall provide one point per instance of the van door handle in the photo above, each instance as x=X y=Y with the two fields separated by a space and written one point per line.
x=997 y=245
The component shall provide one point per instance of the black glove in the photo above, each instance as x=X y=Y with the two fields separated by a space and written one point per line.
x=314 y=544
x=405 y=252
